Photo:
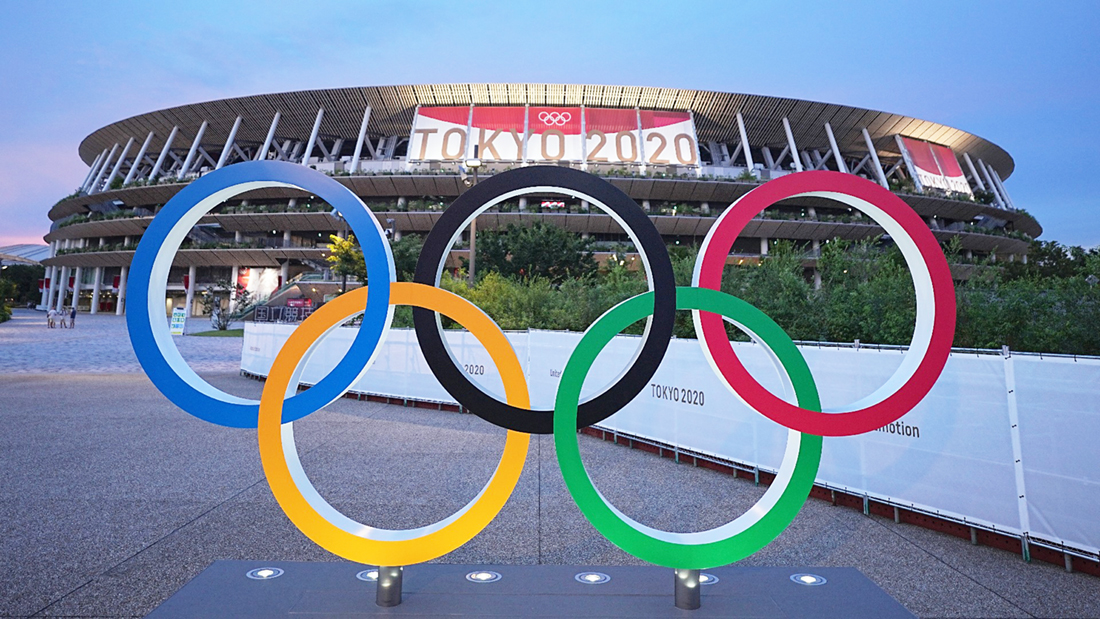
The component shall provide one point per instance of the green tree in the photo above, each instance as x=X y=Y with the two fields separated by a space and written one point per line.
x=346 y=259
x=405 y=254
x=541 y=250
x=24 y=278
x=237 y=301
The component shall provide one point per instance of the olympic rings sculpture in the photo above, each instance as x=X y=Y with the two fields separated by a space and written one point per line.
x=281 y=404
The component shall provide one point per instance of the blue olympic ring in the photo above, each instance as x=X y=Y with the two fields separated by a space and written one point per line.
x=152 y=340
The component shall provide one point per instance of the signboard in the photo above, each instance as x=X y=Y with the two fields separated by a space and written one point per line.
x=933 y=165
x=550 y=134
x=179 y=318
x=304 y=302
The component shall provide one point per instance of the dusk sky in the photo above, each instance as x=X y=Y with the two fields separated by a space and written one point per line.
x=1025 y=76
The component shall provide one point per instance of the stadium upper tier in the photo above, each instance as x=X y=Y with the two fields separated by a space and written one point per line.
x=683 y=154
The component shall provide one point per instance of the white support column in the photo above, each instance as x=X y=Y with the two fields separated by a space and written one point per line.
x=118 y=164
x=880 y=176
x=228 y=145
x=163 y=153
x=137 y=159
x=120 y=303
x=96 y=285
x=992 y=187
x=1001 y=187
x=840 y=165
x=262 y=153
x=286 y=238
x=93 y=170
x=45 y=288
x=233 y=289
x=791 y=145
x=359 y=141
x=763 y=246
x=973 y=171
x=106 y=162
x=76 y=285
x=284 y=273
x=744 y=140
x=63 y=289
x=191 y=153
x=313 y=136
x=189 y=304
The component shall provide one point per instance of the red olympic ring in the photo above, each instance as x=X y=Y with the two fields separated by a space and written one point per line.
x=935 y=323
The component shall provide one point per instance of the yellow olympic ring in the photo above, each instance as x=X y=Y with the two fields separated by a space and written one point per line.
x=318 y=520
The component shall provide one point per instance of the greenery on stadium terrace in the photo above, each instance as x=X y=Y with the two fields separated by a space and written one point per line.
x=546 y=278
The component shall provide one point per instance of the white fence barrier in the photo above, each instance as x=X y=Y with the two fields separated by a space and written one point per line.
x=1006 y=443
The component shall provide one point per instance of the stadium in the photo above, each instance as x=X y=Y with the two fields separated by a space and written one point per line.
x=408 y=151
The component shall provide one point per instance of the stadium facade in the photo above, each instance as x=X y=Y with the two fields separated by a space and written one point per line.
x=682 y=154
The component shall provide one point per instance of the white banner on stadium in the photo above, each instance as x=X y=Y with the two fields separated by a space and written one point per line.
x=952 y=455
x=550 y=134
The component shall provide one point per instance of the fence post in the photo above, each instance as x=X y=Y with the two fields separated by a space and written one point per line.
x=1014 y=430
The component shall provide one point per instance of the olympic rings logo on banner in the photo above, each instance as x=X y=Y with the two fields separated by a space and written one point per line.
x=555 y=118
x=281 y=404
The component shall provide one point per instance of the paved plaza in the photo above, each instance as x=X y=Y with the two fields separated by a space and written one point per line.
x=113 y=498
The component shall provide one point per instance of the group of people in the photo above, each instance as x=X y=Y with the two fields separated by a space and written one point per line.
x=54 y=316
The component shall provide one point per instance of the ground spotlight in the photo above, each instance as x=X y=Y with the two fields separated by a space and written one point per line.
x=483 y=576
x=265 y=573
x=810 y=580
x=707 y=579
x=370 y=575
x=592 y=578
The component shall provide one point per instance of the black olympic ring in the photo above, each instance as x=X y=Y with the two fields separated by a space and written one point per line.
x=621 y=207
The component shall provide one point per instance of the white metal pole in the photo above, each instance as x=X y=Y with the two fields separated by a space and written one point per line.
x=879 y=174
x=163 y=153
x=1001 y=186
x=120 y=303
x=95 y=289
x=191 y=153
x=190 y=302
x=313 y=136
x=262 y=153
x=118 y=164
x=228 y=144
x=99 y=176
x=137 y=159
x=744 y=140
x=973 y=172
x=992 y=187
x=93 y=170
x=840 y=165
x=359 y=141
x=791 y=145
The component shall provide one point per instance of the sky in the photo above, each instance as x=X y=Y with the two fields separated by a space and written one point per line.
x=1024 y=75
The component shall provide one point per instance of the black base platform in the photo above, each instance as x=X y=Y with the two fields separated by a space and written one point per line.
x=332 y=590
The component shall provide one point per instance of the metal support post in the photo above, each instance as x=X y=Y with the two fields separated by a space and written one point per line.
x=313 y=136
x=687 y=589
x=118 y=164
x=744 y=140
x=791 y=145
x=94 y=188
x=388 y=592
x=228 y=148
x=137 y=159
x=989 y=181
x=262 y=153
x=880 y=176
x=95 y=289
x=120 y=303
x=93 y=170
x=190 y=302
x=163 y=153
x=191 y=153
x=359 y=141
x=840 y=165
x=973 y=171
x=1001 y=186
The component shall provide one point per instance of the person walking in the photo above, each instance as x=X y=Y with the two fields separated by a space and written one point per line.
x=72 y=318
x=51 y=316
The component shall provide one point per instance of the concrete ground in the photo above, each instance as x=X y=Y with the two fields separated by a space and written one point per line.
x=113 y=498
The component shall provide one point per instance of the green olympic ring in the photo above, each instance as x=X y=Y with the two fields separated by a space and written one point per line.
x=734 y=540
